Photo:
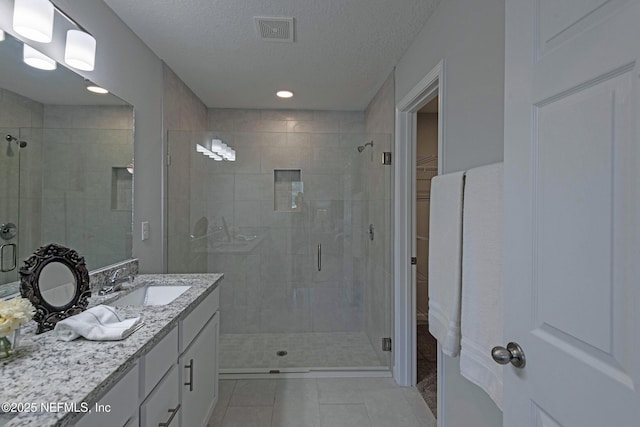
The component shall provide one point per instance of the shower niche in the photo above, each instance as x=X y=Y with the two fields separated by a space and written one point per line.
x=121 y=189
x=288 y=190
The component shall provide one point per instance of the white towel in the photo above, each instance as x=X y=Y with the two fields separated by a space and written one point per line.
x=100 y=323
x=445 y=237
x=482 y=243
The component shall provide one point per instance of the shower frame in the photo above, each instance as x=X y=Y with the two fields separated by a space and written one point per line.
x=327 y=242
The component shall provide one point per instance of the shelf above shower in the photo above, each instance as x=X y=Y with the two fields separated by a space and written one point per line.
x=241 y=246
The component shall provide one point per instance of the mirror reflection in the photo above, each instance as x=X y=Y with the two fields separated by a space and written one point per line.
x=66 y=165
x=57 y=284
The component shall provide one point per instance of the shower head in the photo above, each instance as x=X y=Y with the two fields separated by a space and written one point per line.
x=11 y=138
x=362 y=147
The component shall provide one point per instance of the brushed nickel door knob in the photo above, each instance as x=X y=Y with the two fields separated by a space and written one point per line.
x=512 y=354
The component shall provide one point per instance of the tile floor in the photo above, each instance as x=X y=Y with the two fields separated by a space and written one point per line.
x=306 y=350
x=322 y=402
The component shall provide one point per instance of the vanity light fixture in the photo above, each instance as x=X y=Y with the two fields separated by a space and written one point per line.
x=284 y=94
x=216 y=150
x=223 y=150
x=80 y=50
x=33 y=19
x=216 y=145
x=38 y=60
x=206 y=152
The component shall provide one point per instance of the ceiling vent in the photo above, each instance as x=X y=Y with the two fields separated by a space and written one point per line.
x=275 y=29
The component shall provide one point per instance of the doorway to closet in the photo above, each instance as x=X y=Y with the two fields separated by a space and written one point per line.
x=426 y=168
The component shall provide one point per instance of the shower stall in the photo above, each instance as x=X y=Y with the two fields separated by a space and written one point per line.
x=300 y=225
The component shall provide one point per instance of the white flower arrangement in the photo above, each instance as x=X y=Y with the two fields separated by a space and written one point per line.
x=13 y=313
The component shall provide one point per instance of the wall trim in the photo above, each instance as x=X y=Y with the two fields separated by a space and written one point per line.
x=432 y=84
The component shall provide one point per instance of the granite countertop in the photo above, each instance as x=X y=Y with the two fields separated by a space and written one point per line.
x=46 y=370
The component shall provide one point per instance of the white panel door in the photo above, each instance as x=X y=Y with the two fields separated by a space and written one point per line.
x=572 y=198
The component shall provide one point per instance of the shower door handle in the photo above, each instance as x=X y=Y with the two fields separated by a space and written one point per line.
x=3 y=269
x=319 y=257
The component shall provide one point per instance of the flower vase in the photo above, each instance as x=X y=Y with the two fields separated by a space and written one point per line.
x=9 y=344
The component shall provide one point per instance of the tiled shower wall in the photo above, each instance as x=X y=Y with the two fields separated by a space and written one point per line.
x=86 y=190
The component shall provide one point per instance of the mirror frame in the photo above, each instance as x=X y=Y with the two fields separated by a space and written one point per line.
x=46 y=314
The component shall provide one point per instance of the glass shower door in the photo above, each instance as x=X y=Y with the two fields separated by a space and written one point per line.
x=9 y=205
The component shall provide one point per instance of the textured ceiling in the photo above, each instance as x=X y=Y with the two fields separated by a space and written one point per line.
x=343 y=49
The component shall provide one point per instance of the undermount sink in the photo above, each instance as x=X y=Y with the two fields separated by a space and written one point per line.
x=150 y=295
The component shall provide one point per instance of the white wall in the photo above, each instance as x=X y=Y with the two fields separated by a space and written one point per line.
x=469 y=36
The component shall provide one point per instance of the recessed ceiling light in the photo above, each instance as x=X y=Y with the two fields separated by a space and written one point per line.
x=92 y=87
x=284 y=94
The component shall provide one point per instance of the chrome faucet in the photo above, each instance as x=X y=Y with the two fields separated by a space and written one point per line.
x=116 y=281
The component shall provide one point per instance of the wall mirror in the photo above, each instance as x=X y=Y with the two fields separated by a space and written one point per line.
x=56 y=281
x=66 y=165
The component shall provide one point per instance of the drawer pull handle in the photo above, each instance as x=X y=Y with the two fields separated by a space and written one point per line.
x=173 y=414
x=190 y=367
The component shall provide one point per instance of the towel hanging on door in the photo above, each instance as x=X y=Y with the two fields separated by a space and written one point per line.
x=445 y=279
x=482 y=243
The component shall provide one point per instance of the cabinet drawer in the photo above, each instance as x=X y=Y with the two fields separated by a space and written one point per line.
x=120 y=404
x=194 y=322
x=158 y=361
x=163 y=404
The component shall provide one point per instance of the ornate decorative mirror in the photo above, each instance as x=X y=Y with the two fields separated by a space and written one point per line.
x=56 y=281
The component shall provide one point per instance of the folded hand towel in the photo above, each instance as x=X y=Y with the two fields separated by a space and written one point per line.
x=482 y=243
x=100 y=323
x=445 y=237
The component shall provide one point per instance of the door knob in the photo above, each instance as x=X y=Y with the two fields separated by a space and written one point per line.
x=513 y=353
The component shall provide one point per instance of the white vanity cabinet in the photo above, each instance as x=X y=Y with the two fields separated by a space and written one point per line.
x=175 y=384
x=199 y=362
x=187 y=394
x=199 y=383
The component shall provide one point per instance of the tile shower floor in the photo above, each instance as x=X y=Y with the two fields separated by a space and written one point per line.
x=322 y=402
x=304 y=350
